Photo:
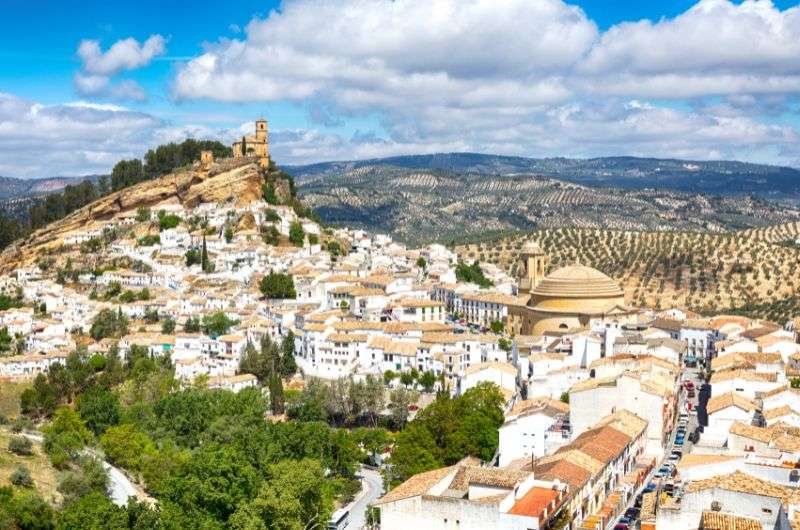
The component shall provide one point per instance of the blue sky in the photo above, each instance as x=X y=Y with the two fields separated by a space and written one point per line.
x=342 y=79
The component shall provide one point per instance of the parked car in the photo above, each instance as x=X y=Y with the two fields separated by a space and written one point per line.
x=633 y=513
x=620 y=526
x=650 y=487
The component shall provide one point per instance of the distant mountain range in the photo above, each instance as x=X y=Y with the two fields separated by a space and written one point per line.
x=14 y=188
x=717 y=177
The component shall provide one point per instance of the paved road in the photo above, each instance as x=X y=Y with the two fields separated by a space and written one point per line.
x=372 y=489
x=119 y=486
x=687 y=373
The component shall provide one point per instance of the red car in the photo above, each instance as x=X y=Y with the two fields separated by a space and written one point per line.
x=688 y=384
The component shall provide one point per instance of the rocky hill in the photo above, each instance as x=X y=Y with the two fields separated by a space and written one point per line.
x=753 y=272
x=420 y=205
x=232 y=181
x=716 y=177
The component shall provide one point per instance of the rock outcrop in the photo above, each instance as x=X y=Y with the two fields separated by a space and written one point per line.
x=230 y=181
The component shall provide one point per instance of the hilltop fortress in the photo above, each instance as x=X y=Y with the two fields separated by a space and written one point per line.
x=255 y=145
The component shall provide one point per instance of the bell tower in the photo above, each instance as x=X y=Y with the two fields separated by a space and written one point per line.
x=532 y=267
x=262 y=142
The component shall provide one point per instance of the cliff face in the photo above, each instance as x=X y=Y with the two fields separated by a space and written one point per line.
x=231 y=181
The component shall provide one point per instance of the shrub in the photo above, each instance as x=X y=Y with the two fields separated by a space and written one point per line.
x=21 y=477
x=20 y=445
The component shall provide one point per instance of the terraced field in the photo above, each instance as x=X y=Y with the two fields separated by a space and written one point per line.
x=747 y=272
x=421 y=205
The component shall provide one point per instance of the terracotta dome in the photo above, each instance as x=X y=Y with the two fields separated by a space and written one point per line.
x=577 y=281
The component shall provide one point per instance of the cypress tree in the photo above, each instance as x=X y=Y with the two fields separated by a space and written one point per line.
x=204 y=256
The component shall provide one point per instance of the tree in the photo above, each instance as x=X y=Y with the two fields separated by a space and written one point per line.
x=99 y=408
x=93 y=510
x=334 y=248
x=427 y=380
x=472 y=274
x=193 y=257
x=87 y=476
x=276 y=285
x=65 y=436
x=400 y=399
x=389 y=376
x=407 y=379
x=217 y=324
x=108 y=323
x=168 y=326
x=421 y=263
x=6 y=340
x=450 y=429
x=103 y=185
x=268 y=193
x=10 y=230
x=128 y=446
x=271 y=236
x=296 y=233
x=167 y=221
x=497 y=327
x=228 y=234
x=206 y=265
x=288 y=365
x=294 y=497
x=40 y=400
x=30 y=511
x=192 y=325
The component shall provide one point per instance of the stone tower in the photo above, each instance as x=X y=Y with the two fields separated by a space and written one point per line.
x=532 y=267
x=262 y=142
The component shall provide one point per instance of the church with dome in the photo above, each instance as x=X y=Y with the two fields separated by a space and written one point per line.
x=572 y=297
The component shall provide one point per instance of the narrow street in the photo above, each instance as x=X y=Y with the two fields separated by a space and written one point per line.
x=666 y=483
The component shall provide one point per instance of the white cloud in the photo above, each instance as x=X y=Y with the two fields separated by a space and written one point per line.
x=125 y=54
x=98 y=67
x=78 y=138
x=516 y=77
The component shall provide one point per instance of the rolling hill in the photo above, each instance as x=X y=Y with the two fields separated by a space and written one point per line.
x=726 y=177
x=420 y=205
x=752 y=272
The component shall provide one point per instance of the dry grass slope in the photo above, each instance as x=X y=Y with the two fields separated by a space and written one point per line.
x=44 y=475
x=747 y=271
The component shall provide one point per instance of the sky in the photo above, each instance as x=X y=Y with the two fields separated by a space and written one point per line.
x=356 y=79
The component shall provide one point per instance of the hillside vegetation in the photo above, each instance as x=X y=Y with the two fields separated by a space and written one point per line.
x=748 y=272
x=424 y=205
x=710 y=176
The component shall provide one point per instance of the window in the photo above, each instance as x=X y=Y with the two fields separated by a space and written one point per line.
x=794 y=476
x=766 y=510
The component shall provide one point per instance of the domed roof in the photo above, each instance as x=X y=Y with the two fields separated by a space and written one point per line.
x=577 y=281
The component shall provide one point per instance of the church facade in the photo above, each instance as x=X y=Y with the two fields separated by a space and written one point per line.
x=254 y=145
